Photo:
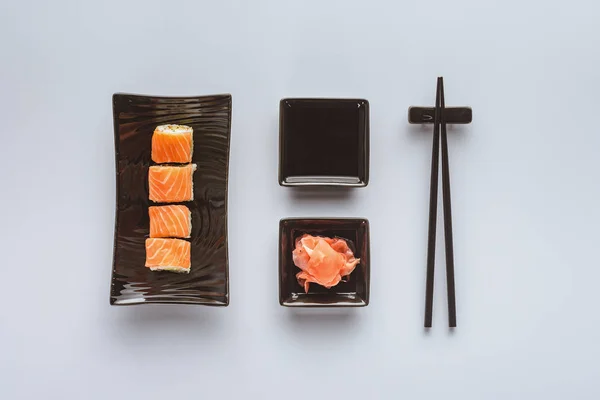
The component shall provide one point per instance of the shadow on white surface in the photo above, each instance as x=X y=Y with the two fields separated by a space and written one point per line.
x=428 y=332
x=159 y=320
x=425 y=131
x=320 y=194
x=330 y=322
x=322 y=331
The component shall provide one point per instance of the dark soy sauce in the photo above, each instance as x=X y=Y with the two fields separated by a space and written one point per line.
x=323 y=138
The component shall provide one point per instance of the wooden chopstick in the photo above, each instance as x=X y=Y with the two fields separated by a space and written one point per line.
x=447 y=216
x=440 y=124
x=433 y=194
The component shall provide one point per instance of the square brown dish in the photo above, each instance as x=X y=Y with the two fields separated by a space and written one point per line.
x=135 y=118
x=352 y=293
x=324 y=142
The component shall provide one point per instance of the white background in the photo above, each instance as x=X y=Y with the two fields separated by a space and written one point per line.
x=525 y=183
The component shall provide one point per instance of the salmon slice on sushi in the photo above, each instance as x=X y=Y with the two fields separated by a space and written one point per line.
x=171 y=184
x=170 y=221
x=172 y=144
x=168 y=255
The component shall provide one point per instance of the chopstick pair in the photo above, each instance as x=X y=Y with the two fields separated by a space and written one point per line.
x=441 y=116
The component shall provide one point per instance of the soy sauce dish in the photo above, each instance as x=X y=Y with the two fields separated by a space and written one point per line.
x=323 y=142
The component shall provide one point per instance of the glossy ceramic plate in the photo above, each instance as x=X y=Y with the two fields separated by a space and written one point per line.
x=324 y=142
x=352 y=293
x=135 y=118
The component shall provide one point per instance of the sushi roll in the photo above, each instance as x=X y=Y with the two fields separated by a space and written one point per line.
x=169 y=184
x=168 y=255
x=172 y=144
x=170 y=221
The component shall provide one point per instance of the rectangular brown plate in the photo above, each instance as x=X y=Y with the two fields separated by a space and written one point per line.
x=135 y=118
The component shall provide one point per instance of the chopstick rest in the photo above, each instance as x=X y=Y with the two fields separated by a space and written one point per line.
x=440 y=116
